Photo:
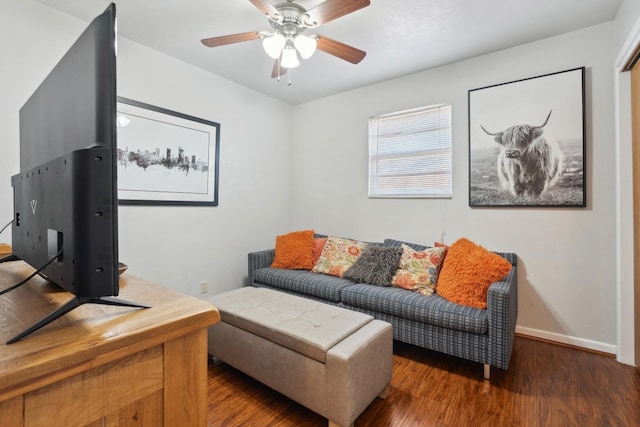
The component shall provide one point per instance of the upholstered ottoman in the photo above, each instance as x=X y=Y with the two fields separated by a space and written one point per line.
x=332 y=360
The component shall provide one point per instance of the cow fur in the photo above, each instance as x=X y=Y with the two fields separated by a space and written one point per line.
x=528 y=164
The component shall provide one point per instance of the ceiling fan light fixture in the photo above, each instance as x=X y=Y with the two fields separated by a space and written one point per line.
x=288 y=20
x=274 y=44
x=289 y=58
x=306 y=45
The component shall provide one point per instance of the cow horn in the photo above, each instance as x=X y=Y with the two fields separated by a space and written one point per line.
x=545 y=122
x=489 y=133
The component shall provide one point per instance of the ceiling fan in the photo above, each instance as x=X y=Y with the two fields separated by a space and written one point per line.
x=289 y=21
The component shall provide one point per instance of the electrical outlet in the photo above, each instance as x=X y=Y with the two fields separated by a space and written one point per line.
x=204 y=287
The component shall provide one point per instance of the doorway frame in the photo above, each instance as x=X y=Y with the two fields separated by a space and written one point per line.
x=625 y=329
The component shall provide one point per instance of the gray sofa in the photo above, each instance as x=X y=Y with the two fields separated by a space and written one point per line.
x=480 y=335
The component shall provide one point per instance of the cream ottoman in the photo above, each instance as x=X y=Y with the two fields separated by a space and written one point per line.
x=332 y=360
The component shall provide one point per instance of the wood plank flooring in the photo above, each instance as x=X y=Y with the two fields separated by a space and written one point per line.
x=546 y=385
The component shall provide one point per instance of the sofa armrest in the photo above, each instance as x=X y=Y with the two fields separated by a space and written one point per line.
x=502 y=313
x=257 y=260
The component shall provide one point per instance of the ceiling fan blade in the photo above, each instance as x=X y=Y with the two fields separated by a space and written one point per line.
x=267 y=8
x=333 y=9
x=278 y=71
x=340 y=50
x=232 y=38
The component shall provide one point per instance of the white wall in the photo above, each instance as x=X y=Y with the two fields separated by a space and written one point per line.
x=566 y=275
x=174 y=246
x=271 y=182
x=626 y=23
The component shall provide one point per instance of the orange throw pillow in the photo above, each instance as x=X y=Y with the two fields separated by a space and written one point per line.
x=468 y=271
x=294 y=251
x=318 y=245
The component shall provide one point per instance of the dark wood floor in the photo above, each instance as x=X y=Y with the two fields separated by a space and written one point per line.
x=546 y=385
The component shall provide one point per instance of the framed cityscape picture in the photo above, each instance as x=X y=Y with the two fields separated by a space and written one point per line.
x=165 y=157
x=527 y=142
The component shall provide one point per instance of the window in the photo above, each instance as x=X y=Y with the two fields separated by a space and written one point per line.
x=410 y=153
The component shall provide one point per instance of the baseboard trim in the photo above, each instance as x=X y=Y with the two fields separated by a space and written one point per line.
x=569 y=341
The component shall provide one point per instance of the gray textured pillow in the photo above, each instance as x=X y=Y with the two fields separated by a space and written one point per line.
x=376 y=266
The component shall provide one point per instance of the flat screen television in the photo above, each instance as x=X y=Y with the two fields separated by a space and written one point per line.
x=65 y=196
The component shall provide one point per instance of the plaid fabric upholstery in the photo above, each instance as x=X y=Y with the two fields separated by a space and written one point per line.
x=368 y=243
x=403 y=304
x=502 y=309
x=258 y=260
x=303 y=282
x=390 y=243
x=455 y=343
x=509 y=256
x=428 y=322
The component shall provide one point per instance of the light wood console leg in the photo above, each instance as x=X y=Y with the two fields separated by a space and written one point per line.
x=185 y=378
x=487 y=371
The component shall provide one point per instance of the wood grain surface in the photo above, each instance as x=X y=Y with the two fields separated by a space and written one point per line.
x=546 y=385
x=102 y=364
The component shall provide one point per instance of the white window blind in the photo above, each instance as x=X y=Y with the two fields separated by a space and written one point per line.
x=410 y=153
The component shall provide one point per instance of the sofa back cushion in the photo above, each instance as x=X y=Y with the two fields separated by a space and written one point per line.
x=398 y=244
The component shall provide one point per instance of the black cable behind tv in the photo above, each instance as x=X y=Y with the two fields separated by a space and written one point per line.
x=65 y=196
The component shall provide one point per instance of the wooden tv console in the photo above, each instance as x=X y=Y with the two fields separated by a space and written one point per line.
x=102 y=365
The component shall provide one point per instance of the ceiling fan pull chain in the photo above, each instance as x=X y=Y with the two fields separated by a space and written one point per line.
x=290 y=72
x=278 y=70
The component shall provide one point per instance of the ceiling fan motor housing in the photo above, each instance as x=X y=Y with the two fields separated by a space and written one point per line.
x=291 y=21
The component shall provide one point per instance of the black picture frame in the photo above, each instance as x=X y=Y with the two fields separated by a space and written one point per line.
x=166 y=157
x=527 y=142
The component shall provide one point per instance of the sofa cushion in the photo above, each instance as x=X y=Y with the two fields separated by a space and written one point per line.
x=418 y=270
x=302 y=282
x=338 y=255
x=376 y=266
x=433 y=310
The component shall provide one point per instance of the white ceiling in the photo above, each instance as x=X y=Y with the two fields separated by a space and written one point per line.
x=400 y=36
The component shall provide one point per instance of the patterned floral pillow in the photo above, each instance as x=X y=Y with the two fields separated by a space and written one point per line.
x=338 y=255
x=418 y=270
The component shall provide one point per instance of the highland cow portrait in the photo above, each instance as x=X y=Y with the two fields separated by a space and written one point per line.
x=527 y=162
x=527 y=142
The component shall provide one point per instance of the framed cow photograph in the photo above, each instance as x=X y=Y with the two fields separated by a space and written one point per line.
x=527 y=142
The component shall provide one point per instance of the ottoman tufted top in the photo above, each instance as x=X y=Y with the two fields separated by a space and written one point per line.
x=299 y=324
